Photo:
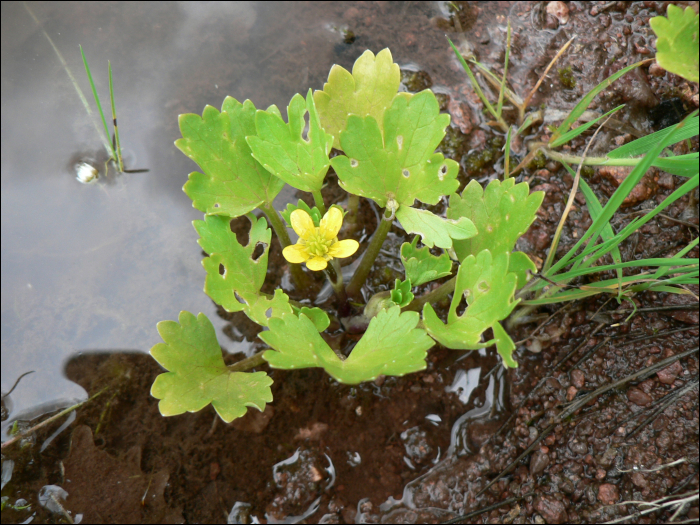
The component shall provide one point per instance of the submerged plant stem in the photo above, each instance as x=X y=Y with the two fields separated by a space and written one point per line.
x=248 y=363
x=298 y=275
x=360 y=276
x=117 y=146
x=436 y=295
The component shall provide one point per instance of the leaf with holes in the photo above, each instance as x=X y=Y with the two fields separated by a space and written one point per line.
x=392 y=345
x=488 y=287
x=197 y=374
x=434 y=230
x=368 y=91
x=301 y=162
x=399 y=162
x=234 y=275
x=421 y=266
x=233 y=182
x=677 y=41
x=501 y=213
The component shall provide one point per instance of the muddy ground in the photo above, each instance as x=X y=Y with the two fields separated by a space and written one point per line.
x=426 y=447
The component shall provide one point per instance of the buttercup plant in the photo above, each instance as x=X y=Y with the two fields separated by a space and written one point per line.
x=387 y=142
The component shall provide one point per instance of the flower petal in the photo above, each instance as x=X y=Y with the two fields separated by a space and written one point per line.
x=331 y=223
x=296 y=253
x=302 y=223
x=344 y=248
x=316 y=264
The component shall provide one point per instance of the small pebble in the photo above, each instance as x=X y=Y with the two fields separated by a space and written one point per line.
x=608 y=493
x=638 y=397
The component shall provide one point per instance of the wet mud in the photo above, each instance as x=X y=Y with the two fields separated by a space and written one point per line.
x=588 y=421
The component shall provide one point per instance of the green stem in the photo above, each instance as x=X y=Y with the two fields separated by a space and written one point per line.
x=360 y=276
x=353 y=206
x=335 y=277
x=248 y=363
x=436 y=295
x=588 y=161
x=300 y=280
x=318 y=201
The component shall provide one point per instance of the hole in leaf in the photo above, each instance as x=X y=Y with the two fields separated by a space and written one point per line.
x=258 y=251
x=483 y=286
x=305 y=132
x=240 y=226
x=268 y=312
x=353 y=163
x=442 y=172
x=462 y=306
x=222 y=270
x=406 y=173
x=217 y=205
x=239 y=298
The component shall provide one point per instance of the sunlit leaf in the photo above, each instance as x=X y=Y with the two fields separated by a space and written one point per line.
x=317 y=316
x=392 y=345
x=488 y=288
x=501 y=213
x=434 y=230
x=421 y=266
x=301 y=162
x=234 y=276
x=233 y=182
x=504 y=346
x=197 y=374
x=400 y=163
x=677 y=41
x=368 y=91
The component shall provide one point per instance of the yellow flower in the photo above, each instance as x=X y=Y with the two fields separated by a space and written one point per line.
x=317 y=246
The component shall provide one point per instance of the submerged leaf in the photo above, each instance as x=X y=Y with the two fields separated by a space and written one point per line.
x=501 y=213
x=197 y=374
x=301 y=162
x=421 y=266
x=234 y=277
x=368 y=91
x=392 y=345
x=488 y=288
x=434 y=230
x=233 y=182
x=400 y=163
x=677 y=41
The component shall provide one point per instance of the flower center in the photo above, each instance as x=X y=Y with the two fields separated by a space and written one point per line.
x=317 y=245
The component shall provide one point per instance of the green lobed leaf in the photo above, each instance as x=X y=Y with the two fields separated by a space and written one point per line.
x=489 y=288
x=284 y=151
x=504 y=346
x=368 y=91
x=233 y=182
x=400 y=162
x=401 y=294
x=314 y=212
x=239 y=286
x=197 y=374
x=318 y=317
x=677 y=41
x=392 y=345
x=434 y=230
x=421 y=266
x=501 y=213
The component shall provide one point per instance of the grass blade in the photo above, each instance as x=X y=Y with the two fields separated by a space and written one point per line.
x=97 y=98
x=506 y=161
x=527 y=100
x=586 y=100
x=642 y=145
x=114 y=119
x=501 y=91
x=571 y=134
